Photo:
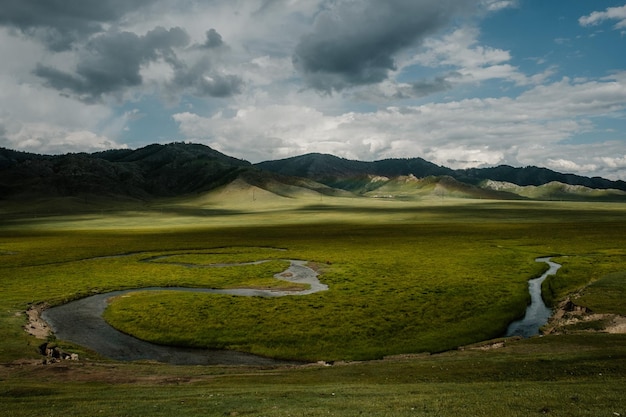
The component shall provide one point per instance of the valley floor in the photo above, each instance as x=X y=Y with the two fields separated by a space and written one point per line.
x=393 y=269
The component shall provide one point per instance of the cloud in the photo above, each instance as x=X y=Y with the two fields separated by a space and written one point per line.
x=611 y=13
x=473 y=62
x=201 y=80
x=427 y=87
x=111 y=62
x=48 y=136
x=39 y=120
x=390 y=90
x=530 y=129
x=274 y=130
x=213 y=39
x=59 y=24
x=354 y=42
x=565 y=165
x=202 y=76
x=50 y=139
x=496 y=5
x=614 y=167
x=460 y=58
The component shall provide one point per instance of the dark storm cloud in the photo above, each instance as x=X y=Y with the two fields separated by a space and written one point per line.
x=111 y=62
x=354 y=43
x=60 y=23
x=426 y=87
x=201 y=80
x=213 y=39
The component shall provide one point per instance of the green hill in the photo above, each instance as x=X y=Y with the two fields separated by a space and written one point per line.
x=126 y=178
x=556 y=191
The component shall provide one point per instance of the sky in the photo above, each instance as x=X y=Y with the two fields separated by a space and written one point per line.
x=461 y=83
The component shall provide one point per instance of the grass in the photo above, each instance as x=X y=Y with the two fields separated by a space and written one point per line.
x=581 y=269
x=404 y=277
x=556 y=398
x=388 y=294
x=564 y=376
x=606 y=295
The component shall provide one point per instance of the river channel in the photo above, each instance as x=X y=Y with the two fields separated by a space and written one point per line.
x=81 y=321
x=537 y=313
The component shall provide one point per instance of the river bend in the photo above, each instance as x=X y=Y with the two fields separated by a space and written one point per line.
x=81 y=322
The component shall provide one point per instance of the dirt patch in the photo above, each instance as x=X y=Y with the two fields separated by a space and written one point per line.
x=572 y=318
x=491 y=344
x=36 y=326
x=617 y=325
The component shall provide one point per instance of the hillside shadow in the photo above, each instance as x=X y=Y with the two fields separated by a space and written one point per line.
x=40 y=217
x=486 y=211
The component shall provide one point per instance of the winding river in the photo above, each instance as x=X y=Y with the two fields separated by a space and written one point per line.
x=537 y=313
x=81 y=322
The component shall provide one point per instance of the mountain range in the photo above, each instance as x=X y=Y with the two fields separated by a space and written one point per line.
x=185 y=169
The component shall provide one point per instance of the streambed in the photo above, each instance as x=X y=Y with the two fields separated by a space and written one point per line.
x=537 y=313
x=81 y=322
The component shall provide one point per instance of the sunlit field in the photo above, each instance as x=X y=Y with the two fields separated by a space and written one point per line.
x=412 y=285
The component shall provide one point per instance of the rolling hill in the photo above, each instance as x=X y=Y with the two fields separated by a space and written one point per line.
x=411 y=187
x=142 y=174
x=347 y=174
x=555 y=190
x=342 y=173
x=122 y=177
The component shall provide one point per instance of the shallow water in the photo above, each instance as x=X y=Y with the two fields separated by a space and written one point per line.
x=81 y=322
x=537 y=313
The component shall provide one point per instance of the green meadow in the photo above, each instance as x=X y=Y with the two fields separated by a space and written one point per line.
x=417 y=291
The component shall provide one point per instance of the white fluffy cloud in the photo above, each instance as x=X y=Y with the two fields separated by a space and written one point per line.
x=529 y=129
x=611 y=13
x=51 y=139
x=495 y=5
x=38 y=119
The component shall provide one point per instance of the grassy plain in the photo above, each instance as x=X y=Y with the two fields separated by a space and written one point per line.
x=404 y=277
